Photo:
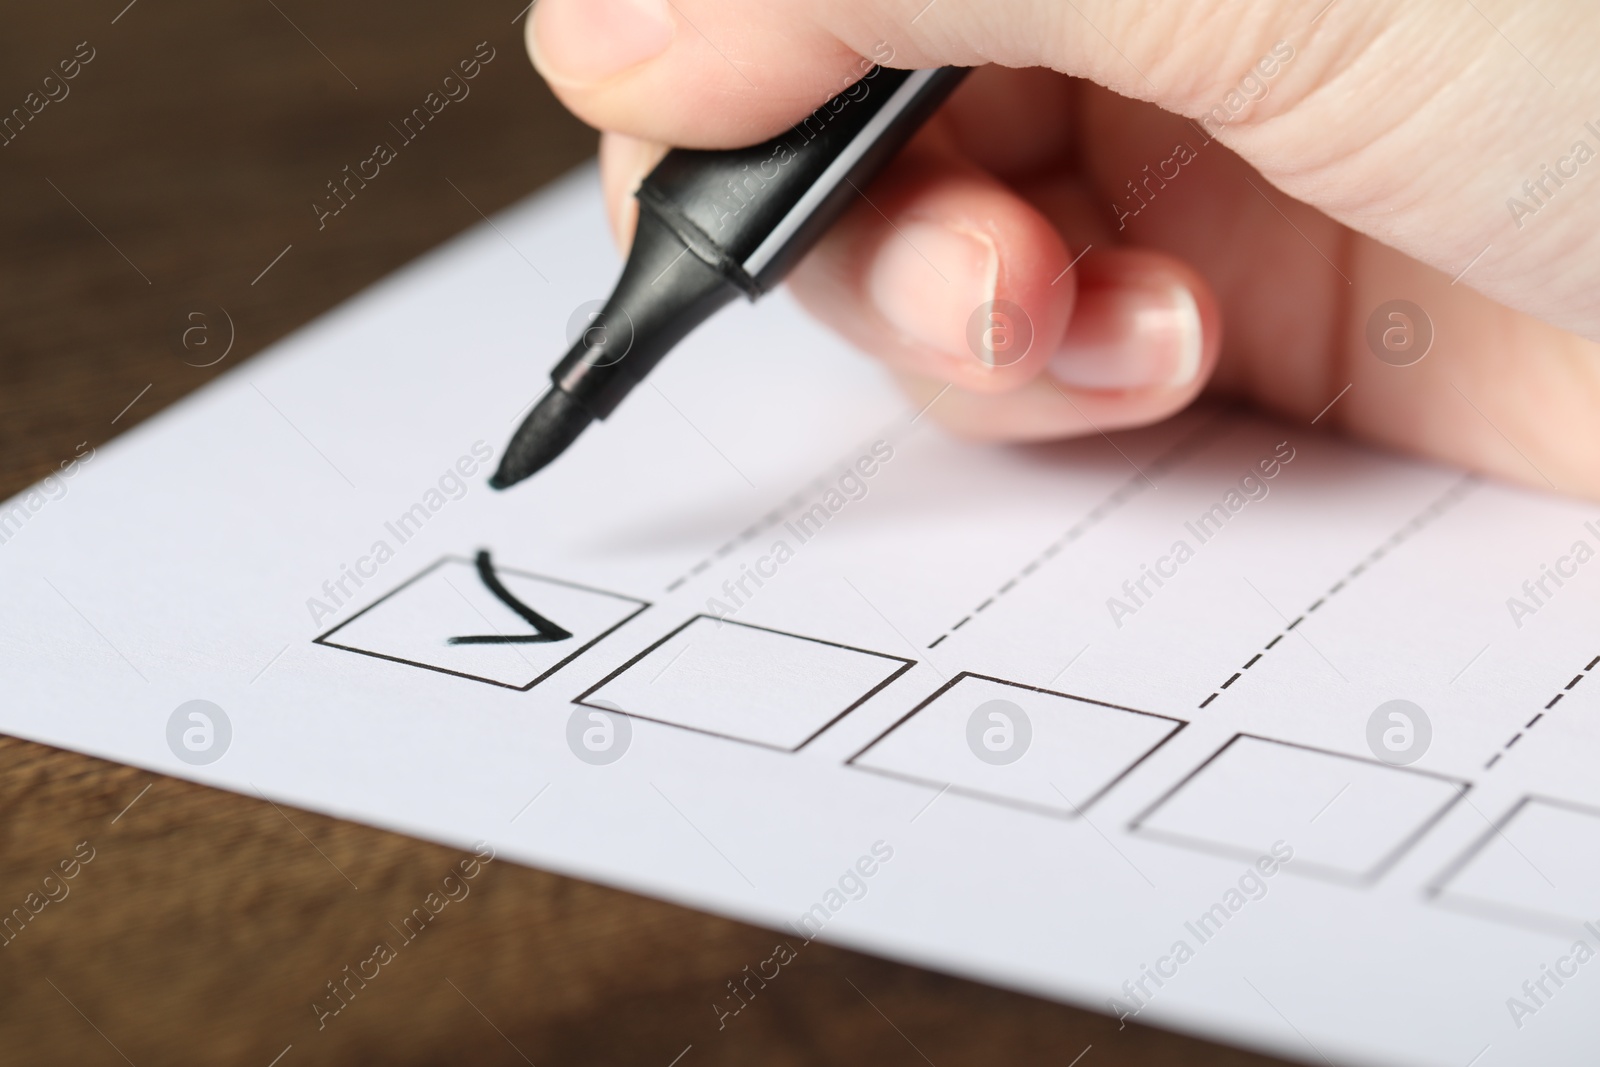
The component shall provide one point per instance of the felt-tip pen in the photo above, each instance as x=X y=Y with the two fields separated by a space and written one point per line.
x=717 y=225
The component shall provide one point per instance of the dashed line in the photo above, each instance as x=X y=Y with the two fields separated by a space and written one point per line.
x=1580 y=676
x=775 y=516
x=1135 y=485
x=1444 y=502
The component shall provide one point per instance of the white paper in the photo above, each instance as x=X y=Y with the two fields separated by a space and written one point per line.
x=296 y=544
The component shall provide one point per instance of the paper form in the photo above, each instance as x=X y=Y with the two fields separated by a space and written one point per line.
x=1108 y=720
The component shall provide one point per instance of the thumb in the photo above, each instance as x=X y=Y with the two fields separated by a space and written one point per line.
x=722 y=73
x=1366 y=123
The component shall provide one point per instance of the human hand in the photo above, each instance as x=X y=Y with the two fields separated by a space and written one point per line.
x=1233 y=212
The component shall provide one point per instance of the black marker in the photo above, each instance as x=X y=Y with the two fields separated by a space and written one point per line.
x=714 y=226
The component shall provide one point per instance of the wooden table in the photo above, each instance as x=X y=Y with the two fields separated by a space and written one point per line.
x=178 y=173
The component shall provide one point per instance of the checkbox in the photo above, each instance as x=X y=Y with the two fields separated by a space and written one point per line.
x=478 y=620
x=1015 y=744
x=746 y=683
x=1347 y=818
x=1539 y=867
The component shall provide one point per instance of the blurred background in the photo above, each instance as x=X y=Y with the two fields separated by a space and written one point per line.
x=174 y=175
x=187 y=154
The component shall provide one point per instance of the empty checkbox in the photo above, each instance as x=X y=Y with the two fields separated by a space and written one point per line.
x=1347 y=818
x=1539 y=867
x=745 y=682
x=1016 y=744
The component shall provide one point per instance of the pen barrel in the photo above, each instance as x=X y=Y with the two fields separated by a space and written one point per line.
x=714 y=225
x=663 y=294
x=754 y=212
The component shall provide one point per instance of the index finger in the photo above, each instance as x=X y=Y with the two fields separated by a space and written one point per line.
x=721 y=73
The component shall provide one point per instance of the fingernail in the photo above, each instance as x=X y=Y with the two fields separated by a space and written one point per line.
x=929 y=278
x=1130 y=338
x=583 y=41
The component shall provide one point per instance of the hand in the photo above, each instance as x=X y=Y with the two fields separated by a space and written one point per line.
x=1230 y=213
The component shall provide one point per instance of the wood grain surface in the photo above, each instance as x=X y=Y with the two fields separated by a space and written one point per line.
x=180 y=166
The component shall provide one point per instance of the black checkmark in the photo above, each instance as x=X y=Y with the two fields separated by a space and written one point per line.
x=546 y=630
